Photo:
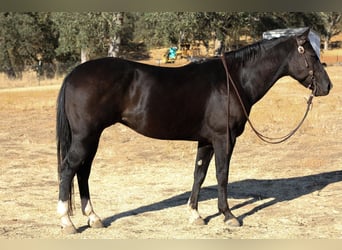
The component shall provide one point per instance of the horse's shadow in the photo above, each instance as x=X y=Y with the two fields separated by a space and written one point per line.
x=254 y=190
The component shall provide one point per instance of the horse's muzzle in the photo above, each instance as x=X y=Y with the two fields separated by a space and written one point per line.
x=322 y=89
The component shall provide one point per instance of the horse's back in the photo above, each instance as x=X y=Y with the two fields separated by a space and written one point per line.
x=166 y=103
x=159 y=102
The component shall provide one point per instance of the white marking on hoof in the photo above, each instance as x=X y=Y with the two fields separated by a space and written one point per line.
x=94 y=221
x=87 y=207
x=233 y=222
x=69 y=229
x=62 y=208
x=66 y=223
x=195 y=217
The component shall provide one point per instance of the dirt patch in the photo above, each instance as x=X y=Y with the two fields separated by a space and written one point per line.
x=140 y=186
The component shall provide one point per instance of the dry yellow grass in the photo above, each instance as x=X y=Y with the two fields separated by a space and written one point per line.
x=29 y=79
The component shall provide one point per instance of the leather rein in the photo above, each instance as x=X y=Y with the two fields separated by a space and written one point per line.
x=271 y=140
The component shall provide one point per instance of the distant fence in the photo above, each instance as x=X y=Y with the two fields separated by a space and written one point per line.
x=331 y=59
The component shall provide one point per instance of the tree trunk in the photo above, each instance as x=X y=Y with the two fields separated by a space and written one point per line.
x=9 y=69
x=115 y=42
x=326 y=43
x=331 y=28
x=84 y=55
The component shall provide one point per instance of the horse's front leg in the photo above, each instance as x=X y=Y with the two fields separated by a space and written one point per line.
x=204 y=154
x=222 y=160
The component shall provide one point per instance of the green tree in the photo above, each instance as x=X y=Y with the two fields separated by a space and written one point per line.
x=25 y=39
x=63 y=39
x=333 y=26
x=172 y=28
x=87 y=34
x=226 y=27
x=157 y=28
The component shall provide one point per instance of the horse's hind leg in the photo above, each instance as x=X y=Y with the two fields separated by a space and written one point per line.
x=63 y=208
x=204 y=155
x=82 y=177
x=78 y=159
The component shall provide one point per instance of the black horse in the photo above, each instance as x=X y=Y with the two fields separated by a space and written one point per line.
x=185 y=103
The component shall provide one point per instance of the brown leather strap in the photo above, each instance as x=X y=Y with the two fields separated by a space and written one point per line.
x=271 y=140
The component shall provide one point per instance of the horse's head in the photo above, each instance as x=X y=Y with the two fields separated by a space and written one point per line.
x=306 y=67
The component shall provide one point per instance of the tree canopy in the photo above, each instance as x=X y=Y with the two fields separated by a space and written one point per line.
x=53 y=42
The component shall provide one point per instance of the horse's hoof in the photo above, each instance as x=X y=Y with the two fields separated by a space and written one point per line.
x=69 y=229
x=95 y=224
x=198 y=221
x=233 y=222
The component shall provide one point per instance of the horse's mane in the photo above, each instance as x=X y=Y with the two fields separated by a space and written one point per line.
x=252 y=51
x=246 y=53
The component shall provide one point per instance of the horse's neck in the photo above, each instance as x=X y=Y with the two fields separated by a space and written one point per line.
x=263 y=72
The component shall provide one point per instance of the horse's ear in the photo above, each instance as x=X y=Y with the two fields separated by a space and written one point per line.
x=301 y=39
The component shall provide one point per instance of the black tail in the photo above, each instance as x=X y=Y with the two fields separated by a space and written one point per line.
x=63 y=137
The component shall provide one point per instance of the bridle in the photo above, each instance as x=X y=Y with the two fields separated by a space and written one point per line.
x=311 y=75
x=271 y=140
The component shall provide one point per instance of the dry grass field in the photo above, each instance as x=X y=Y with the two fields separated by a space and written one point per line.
x=140 y=186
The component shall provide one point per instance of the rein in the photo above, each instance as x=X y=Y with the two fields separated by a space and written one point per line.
x=270 y=140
